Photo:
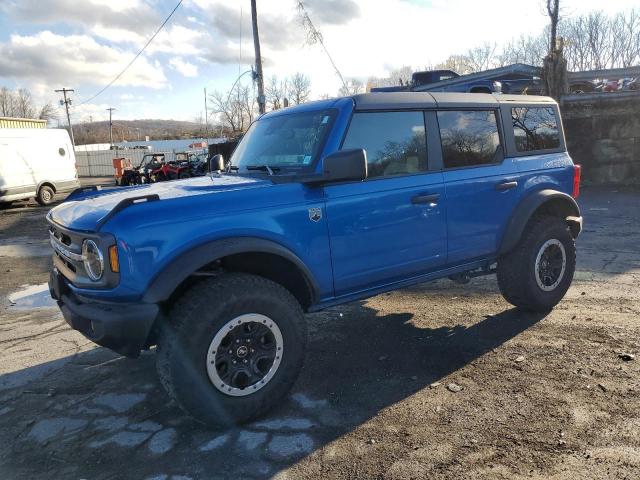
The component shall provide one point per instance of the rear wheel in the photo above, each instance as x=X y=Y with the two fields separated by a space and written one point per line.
x=232 y=348
x=537 y=273
x=45 y=195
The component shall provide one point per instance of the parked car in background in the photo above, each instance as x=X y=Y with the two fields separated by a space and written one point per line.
x=444 y=81
x=36 y=163
x=321 y=204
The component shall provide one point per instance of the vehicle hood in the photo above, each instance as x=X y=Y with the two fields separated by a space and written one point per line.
x=87 y=211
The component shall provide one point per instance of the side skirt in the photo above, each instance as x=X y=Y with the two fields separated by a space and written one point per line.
x=478 y=264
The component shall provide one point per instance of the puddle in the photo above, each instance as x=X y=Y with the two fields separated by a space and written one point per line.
x=32 y=297
x=19 y=247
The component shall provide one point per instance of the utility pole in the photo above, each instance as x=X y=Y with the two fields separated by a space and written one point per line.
x=66 y=102
x=206 y=115
x=256 y=46
x=110 y=110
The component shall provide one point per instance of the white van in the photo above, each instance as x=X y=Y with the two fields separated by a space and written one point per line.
x=36 y=163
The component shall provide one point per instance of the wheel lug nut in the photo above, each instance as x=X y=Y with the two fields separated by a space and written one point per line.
x=233 y=361
x=245 y=361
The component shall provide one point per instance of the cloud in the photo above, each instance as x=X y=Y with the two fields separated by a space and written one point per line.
x=332 y=12
x=277 y=30
x=73 y=60
x=186 y=69
x=129 y=15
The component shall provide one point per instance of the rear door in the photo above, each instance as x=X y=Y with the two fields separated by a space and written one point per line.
x=482 y=187
x=391 y=226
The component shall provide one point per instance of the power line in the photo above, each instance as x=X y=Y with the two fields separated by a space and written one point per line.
x=314 y=36
x=117 y=77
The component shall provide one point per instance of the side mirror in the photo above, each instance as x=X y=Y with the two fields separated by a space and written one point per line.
x=216 y=164
x=345 y=165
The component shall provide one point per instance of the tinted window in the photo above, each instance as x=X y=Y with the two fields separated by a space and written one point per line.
x=535 y=128
x=469 y=138
x=394 y=141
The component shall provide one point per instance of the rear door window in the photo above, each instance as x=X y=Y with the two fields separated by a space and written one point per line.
x=395 y=142
x=535 y=128
x=469 y=138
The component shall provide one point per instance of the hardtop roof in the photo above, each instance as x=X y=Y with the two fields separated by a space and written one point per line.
x=401 y=100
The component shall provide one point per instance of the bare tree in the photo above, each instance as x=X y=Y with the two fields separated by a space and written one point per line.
x=527 y=49
x=482 y=58
x=7 y=102
x=352 y=86
x=47 y=112
x=553 y=10
x=20 y=104
x=458 y=63
x=276 y=91
x=223 y=105
x=299 y=88
x=399 y=76
x=236 y=108
x=24 y=104
x=554 y=66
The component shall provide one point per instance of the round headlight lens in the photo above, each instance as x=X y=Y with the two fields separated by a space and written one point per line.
x=93 y=260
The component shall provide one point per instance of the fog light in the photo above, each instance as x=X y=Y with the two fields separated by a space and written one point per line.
x=113 y=259
x=93 y=260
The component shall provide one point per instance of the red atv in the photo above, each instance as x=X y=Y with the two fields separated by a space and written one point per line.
x=169 y=171
x=154 y=167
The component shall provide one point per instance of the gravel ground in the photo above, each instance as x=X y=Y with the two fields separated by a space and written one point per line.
x=437 y=381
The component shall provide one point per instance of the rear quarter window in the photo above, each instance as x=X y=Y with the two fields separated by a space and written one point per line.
x=535 y=128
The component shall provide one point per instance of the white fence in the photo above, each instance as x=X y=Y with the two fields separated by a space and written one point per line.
x=100 y=163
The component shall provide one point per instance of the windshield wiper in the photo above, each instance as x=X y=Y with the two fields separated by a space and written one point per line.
x=264 y=168
x=232 y=167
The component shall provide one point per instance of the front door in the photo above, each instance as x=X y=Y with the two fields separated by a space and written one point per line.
x=391 y=226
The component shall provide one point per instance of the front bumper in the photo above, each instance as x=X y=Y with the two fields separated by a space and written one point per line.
x=123 y=328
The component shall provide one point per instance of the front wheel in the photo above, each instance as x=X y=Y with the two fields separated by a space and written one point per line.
x=232 y=348
x=45 y=195
x=537 y=273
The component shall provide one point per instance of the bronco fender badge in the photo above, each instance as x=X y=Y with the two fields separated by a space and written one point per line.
x=315 y=214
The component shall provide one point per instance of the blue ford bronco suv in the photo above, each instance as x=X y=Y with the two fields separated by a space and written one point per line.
x=319 y=205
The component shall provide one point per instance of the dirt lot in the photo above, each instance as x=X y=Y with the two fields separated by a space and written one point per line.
x=542 y=396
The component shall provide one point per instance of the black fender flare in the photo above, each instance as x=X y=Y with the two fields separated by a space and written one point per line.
x=184 y=265
x=562 y=203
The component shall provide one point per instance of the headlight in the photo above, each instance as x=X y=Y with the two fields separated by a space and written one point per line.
x=92 y=259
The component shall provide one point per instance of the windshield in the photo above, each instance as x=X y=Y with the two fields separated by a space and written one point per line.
x=284 y=142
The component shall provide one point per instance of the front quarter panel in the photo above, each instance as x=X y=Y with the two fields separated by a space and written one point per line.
x=150 y=236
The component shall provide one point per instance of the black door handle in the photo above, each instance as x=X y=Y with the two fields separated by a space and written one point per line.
x=429 y=198
x=501 y=187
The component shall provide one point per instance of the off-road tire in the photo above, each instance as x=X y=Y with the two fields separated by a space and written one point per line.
x=194 y=320
x=517 y=269
x=45 y=195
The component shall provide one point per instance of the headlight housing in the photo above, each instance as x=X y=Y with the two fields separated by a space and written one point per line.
x=93 y=260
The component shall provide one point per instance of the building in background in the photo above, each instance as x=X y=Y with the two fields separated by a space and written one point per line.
x=8 y=122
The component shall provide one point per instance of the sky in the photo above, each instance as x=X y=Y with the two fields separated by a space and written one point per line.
x=83 y=44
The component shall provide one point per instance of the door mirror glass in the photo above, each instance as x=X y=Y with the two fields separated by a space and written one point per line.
x=345 y=165
x=216 y=164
